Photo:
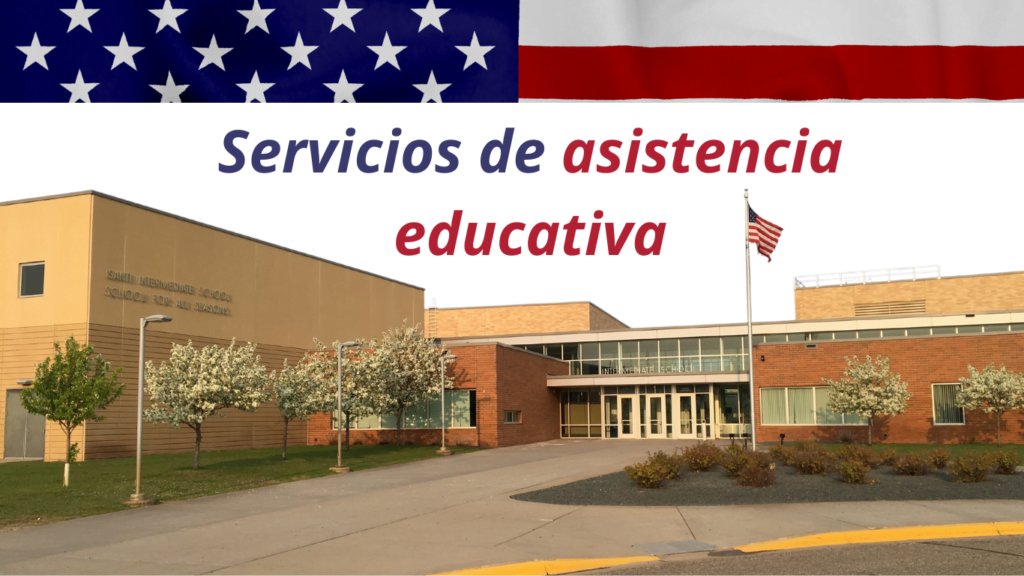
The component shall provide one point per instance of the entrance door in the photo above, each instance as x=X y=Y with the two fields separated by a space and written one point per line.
x=23 y=432
x=703 y=420
x=686 y=426
x=656 y=416
x=629 y=424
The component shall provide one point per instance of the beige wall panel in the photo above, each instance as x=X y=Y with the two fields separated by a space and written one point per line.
x=288 y=297
x=57 y=234
x=346 y=313
x=526 y=319
x=941 y=296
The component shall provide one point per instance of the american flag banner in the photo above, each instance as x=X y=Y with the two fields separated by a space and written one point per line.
x=505 y=50
x=763 y=233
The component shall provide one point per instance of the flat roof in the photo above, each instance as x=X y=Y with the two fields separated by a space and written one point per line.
x=197 y=223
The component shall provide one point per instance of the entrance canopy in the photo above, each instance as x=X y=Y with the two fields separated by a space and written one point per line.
x=642 y=379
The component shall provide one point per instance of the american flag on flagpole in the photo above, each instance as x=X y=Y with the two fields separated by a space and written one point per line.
x=508 y=50
x=763 y=233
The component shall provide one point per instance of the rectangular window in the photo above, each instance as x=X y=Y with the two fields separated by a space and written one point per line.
x=996 y=328
x=570 y=352
x=824 y=416
x=513 y=417
x=943 y=330
x=894 y=333
x=919 y=331
x=31 y=281
x=821 y=335
x=770 y=338
x=689 y=347
x=553 y=350
x=805 y=406
x=944 y=405
x=847 y=335
x=801 y=406
x=968 y=329
x=773 y=405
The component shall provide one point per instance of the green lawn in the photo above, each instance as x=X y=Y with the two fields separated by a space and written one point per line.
x=954 y=449
x=31 y=492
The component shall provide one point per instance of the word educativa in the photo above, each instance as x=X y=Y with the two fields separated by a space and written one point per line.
x=542 y=239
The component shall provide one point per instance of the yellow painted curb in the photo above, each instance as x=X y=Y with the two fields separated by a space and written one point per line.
x=544 y=567
x=889 y=535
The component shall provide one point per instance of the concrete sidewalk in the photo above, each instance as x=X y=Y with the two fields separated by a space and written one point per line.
x=433 y=516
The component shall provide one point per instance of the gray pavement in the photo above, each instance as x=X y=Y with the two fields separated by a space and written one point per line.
x=1002 y=555
x=432 y=516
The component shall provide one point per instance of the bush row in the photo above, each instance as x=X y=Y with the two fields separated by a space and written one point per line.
x=754 y=469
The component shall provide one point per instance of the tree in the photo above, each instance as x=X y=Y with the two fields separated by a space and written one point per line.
x=868 y=390
x=308 y=388
x=358 y=394
x=199 y=384
x=405 y=368
x=993 y=391
x=70 y=389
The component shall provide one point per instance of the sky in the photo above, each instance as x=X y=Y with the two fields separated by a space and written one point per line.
x=916 y=184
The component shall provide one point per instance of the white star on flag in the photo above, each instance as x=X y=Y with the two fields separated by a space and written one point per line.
x=299 y=52
x=257 y=17
x=168 y=16
x=169 y=92
x=212 y=55
x=255 y=89
x=431 y=90
x=474 y=53
x=79 y=16
x=34 y=53
x=344 y=90
x=342 y=16
x=80 y=89
x=386 y=53
x=430 y=16
x=123 y=53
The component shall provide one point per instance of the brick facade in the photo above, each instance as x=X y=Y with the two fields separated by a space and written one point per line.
x=525 y=319
x=920 y=362
x=504 y=378
x=990 y=292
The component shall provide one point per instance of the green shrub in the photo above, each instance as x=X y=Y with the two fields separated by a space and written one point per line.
x=733 y=463
x=853 y=471
x=846 y=437
x=702 y=456
x=860 y=454
x=939 y=457
x=781 y=453
x=972 y=467
x=912 y=465
x=645 y=475
x=804 y=445
x=761 y=460
x=812 y=462
x=735 y=450
x=1005 y=462
x=889 y=456
x=755 y=476
x=668 y=465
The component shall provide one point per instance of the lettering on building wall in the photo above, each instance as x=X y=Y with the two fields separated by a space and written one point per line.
x=166 y=300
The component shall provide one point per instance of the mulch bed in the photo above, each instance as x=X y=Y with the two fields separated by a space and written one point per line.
x=716 y=488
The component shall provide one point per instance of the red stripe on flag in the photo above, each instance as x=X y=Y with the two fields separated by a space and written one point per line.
x=776 y=72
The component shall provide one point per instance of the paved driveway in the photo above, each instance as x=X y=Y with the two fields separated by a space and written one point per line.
x=432 y=516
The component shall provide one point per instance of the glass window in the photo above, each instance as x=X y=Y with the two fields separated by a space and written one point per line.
x=868 y=334
x=649 y=349
x=590 y=367
x=576 y=368
x=894 y=333
x=689 y=347
x=630 y=349
x=825 y=417
x=775 y=338
x=609 y=350
x=609 y=366
x=684 y=388
x=591 y=351
x=734 y=345
x=711 y=363
x=369 y=422
x=668 y=348
x=667 y=365
x=943 y=330
x=821 y=335
x=710 y=346
x=630 y=366
x=996 y=328
x=416 y=415
x=846 y=335
x=944 y=404
x=457 y=408
x=513 y=417
x=918 y=331
x=570 y=351
x=553 y=350
x=388 y=421
x=732 y=363
x=801 y=406
x=1016 y=327
x=649 y=365
x=773 y=405
x=31 y=279
x=627 y=389
x=535 y=348
x=968 y=329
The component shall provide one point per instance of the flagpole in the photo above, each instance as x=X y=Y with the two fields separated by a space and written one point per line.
x=750 y=325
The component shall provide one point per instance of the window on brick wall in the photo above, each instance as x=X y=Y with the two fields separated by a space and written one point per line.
x=459 y=412
x=513 y=417
x=944 y=408
x=802 y=406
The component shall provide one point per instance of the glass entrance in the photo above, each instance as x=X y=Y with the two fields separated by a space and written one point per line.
x=656 y=415
x=686 y=423
x=703 y=422
x=628 y=425
x=733 y=411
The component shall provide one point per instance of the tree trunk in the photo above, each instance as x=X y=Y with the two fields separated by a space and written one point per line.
x=199 y=439
x=871 y=423
x=348 y=425
x=284 y=447
x=999 y=438
x=67 y=456
x=398 y=423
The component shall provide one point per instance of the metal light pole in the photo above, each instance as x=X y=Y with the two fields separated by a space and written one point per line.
x=139 y=499
x=340 y=468
x=444 y=358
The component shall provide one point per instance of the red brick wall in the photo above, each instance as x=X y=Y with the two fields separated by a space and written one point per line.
x=522 y=385
x=920 y=363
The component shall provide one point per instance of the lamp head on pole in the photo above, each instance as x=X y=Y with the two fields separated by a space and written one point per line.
x=25 y=382
x=156 y=318
x=348 y=344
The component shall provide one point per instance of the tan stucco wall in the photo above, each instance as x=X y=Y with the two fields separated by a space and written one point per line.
x=524 y=319
x=947 y=295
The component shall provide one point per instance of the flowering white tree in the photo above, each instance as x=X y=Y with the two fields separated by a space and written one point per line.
x=310 y=387
x=199 y=384
x=359 y=396
x=868 y=390
x=404 y=368
x=993 y=391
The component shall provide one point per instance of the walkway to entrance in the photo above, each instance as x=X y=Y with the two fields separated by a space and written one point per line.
x=432 y=516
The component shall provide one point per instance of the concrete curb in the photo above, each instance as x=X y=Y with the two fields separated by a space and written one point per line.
x=947 y=531
x=562 y=566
